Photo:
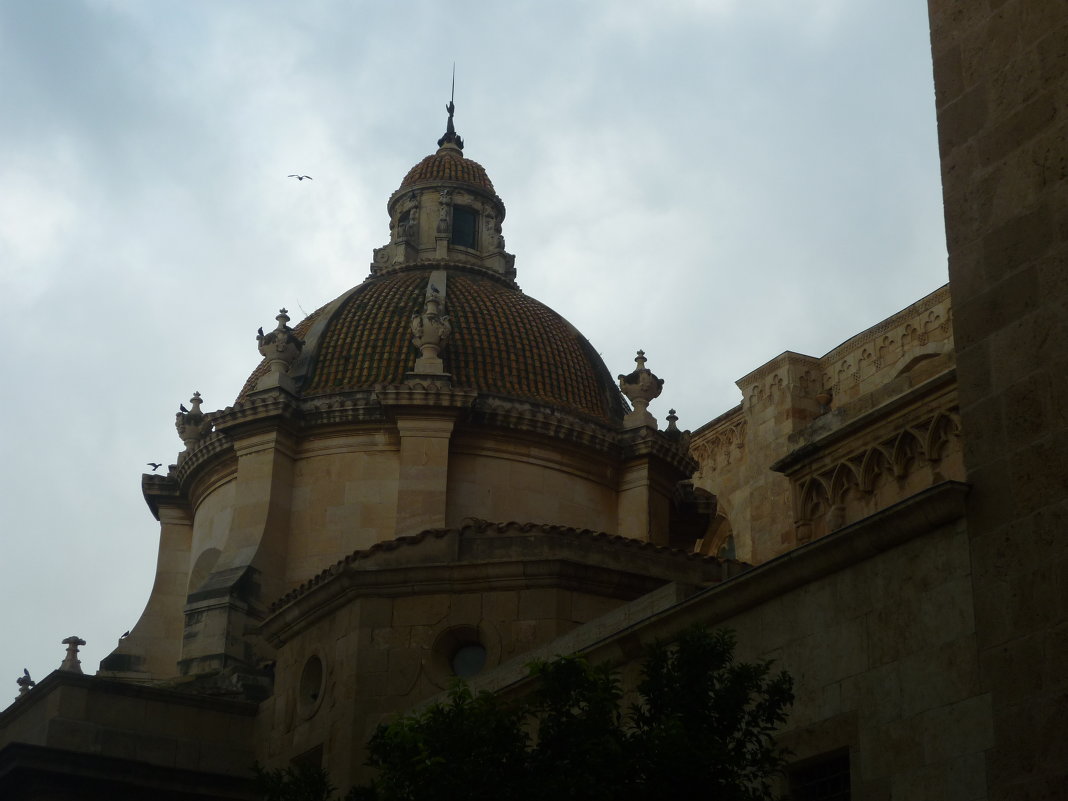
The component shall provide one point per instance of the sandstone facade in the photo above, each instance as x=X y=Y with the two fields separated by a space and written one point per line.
x=884 y=521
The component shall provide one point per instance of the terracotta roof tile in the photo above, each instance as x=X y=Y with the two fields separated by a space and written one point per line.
x=448 y=165
x=503 y=342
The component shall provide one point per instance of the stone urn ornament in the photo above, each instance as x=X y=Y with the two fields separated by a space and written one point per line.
x=191 y=424
x=430 y=330
x=280 y=347
x=640 y=386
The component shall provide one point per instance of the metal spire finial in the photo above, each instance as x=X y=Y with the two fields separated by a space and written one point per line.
x=450 y=131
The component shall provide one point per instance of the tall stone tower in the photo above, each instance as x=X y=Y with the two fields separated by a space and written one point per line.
x=1001 y=79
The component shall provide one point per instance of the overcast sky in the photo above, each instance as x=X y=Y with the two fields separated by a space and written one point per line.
x=715 y=181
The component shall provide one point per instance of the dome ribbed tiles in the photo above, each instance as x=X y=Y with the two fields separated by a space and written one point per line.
x=503 y=342
x=448 y=165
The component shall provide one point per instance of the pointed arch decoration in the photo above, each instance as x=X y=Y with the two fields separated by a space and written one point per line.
x=843 y=480
x=907 y=449
x=876 y=461
x=943 y=428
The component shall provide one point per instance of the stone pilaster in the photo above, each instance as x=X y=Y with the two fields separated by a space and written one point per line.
x=424 y=470
x=248 y=573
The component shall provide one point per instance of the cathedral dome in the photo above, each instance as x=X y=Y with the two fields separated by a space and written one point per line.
x=447 y=165
x=503 y=342
x=445 y=267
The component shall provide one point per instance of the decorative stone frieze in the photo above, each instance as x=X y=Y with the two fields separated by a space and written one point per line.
x=835 y=485
x=716 y=448
x=640 y=386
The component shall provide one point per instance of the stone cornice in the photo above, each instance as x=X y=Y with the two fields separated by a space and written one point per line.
x=161 y=491
x=728 y=418
x=427 y=395
x=456 y=556
x=519 y=415
x=939 y=296
x=59 y=680
x=787 y=357
x=643 y=443
x=823 y=434
x=268 y=409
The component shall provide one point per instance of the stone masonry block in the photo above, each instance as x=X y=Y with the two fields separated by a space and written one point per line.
x=1028 y=408
x=1053 y=46
x=986 y=428
x=544 y=603
x=1014 y=243
x=956 y=729
x=1021 y=126
x=1039 y=473
x=995 y=40
x=1004 y=664
x=420 y=609
x=1029 y=344
x=962 y=119
x=951 y=21
x=950 y=75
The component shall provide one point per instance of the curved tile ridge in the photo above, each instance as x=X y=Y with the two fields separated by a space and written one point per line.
x=484 y=527
x=363 y=553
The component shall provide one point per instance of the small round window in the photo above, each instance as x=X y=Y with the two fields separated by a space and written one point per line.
x=310 y=690
x=468 y=660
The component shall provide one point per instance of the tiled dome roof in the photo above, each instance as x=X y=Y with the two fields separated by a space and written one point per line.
x=448 y=164
x=503 y=343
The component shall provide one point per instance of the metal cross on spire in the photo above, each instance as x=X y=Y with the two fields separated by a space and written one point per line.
x=450 y=131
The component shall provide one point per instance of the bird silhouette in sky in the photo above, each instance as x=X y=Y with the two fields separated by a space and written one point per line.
x=154 y=465
x=299 y=177
x=181 y=408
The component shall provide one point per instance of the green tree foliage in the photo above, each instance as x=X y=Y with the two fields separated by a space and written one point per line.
x=702 y=728
x=299 y=783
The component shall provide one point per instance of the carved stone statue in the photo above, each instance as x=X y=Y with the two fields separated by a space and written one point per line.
x=444 y=218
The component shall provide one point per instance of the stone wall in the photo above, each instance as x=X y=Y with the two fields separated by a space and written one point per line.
x=886 y=399
x=1001 y=81
x=876 y=625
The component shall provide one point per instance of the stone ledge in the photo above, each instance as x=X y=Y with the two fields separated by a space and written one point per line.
x=673 y=607
x=58 y=681
x=821 y=440
x=34 y=772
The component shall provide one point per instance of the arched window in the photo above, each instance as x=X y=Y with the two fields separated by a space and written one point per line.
x=464 y=226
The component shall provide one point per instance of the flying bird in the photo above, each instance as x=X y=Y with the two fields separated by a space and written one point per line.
x=154 y=465
x=300 y=177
